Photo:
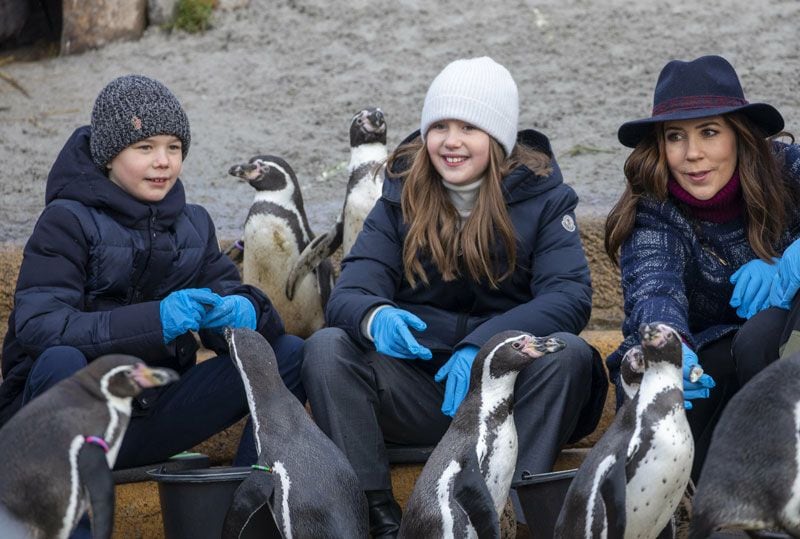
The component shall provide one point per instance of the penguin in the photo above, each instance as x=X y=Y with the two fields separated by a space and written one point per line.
x=311 y=489
x=465 y=482
x=368 y=154
x=57 y=452
x=636 y=474
x=631 y=370
x=275 y=232
x=751 y=477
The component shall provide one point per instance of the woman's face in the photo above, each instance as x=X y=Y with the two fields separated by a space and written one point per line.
x=701 y=154
x=459 y=151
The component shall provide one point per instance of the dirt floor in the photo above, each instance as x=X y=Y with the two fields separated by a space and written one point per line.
x=284 y=78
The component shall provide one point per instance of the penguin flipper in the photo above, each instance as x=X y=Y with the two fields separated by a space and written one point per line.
x=96 y=476
x=320 y=248
x=612 y=491
x=471 y=493
x=252 y=494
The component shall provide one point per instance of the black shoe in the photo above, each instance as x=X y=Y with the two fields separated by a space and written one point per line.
x=384 y=514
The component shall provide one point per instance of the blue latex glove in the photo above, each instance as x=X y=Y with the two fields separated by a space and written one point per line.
x=752 y=283
x=182 y=310
x=456 y=370
x=787 y=280
x=389 y=330
x=233 y=311
x=693 y=390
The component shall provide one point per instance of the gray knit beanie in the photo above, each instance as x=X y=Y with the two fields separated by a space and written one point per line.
x=478 y=91
x=132 y=108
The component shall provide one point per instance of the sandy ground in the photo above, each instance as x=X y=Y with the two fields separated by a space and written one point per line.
x=284 y=77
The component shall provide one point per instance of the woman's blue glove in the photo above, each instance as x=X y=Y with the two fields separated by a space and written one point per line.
x=456 y=370
x=787 y=280
x=752 y=283
x=389 y=330
x=182 y=310
x=699 y=389
x=233 y=311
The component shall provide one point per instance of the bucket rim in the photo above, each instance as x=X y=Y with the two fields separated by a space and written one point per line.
x=200 y=475
x=534 y=479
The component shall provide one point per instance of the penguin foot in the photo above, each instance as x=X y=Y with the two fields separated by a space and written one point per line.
x=384 y=514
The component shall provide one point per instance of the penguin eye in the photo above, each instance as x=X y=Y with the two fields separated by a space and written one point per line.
x=517 y=345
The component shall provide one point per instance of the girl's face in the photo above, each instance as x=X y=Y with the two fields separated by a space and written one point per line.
x=459 y=151
x=701 y=154
x=148 y=169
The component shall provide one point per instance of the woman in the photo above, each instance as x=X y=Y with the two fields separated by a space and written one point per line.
x=474 y=234
x=709 y=207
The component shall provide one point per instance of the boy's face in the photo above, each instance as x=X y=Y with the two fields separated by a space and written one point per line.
x=148 y=169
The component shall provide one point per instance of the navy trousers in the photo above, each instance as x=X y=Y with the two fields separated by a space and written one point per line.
x=208 y=398
x=362 y=399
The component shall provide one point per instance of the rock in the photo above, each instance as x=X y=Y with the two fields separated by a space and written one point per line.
x=92 y=23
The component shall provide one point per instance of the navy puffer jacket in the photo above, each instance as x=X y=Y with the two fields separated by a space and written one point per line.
x=97 y=265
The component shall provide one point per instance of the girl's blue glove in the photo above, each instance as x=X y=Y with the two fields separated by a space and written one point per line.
x=182 y=310
x=700 y=388
x=456 y=370
x=389 y=330
x=233 y=311
x=787 y=281
x=752 y=284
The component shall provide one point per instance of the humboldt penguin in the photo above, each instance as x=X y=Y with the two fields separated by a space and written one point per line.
x=275 y=233
x=751 y=477
x=635 y=475
x=311 y=488
x=465 y=483
x=57 y=452
x=367 y=155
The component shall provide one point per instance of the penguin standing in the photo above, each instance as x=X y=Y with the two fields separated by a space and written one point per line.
x=635 y=475
x=751 y=478
x=465 y=483
x=275 y=233
x=307 y=481
x=57 y=452
x=368 y=154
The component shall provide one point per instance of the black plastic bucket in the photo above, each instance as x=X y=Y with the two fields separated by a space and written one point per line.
x=194 y=503
x=541 y=497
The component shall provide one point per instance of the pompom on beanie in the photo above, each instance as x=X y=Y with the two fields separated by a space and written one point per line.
x=478 y=91
x=131 y=108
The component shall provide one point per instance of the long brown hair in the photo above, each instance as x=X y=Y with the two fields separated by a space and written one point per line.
x=435 y=228
x=766 y=192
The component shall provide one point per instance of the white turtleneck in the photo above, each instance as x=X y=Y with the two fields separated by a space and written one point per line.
x=463 y=196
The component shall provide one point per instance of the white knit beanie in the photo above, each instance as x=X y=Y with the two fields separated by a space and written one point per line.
x=478 y=91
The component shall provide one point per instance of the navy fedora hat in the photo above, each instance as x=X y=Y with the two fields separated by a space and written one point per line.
x=707 y=86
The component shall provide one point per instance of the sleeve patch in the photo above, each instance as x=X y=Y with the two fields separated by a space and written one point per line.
x=568 y=223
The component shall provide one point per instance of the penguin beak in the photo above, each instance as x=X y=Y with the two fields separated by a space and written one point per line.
x=146 y=377
x=245 y=172
x=539 y=346
x=655 y=335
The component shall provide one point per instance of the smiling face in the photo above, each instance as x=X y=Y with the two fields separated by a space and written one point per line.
x=459 y=151
x=148 y=169
x=701 y=154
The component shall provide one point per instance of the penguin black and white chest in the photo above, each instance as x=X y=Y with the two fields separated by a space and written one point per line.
x=312 y=489
x=635 y=475
x=364 y=186
x=751 y=475
x=57 y=452
x=275 y=233
x=465 y=483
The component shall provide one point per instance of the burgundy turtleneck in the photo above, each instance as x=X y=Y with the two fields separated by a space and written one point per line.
x=725 y=206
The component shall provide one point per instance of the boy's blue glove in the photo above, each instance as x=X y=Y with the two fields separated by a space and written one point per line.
x=698 y=389
x=457 y=371
x=182 y=310
x=752 y=283
x=787 y=280
x=233 y=311
x=389 y=330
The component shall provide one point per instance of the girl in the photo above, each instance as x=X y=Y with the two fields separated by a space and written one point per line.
x=709 y=207
x=475 y=234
